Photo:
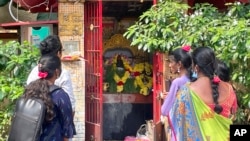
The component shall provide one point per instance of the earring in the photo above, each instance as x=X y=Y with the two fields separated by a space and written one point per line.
x=178 y=70
x=194 y=74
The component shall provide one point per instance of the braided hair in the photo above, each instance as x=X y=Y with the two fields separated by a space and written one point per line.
x=204 y=58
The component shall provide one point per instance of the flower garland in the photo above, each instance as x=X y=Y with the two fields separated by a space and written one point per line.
x=140 y=72
x=146 y=84
x=120 y=81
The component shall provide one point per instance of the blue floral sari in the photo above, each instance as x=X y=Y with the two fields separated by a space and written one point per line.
x=191 y=119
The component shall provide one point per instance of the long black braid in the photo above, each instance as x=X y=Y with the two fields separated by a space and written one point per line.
x=204 y=58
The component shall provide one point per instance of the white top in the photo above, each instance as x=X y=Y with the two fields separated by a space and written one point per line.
x=64 y=81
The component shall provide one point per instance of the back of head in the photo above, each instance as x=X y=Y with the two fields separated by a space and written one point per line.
x=204 y=58
x=50 y=45
x=49 y=64
x=223 y=71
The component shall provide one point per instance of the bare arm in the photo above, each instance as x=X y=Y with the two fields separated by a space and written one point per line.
x=65 y=139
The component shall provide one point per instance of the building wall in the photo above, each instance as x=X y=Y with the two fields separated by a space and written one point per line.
x=70 y=30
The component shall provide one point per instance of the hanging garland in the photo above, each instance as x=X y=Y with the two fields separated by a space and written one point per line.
x=124 y=60
x=120 y=81
x=144 y=81
x=140 y=73
x=122 y=77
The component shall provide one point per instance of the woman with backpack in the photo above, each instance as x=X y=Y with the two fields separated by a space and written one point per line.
x=51 y=45
x=58 y=123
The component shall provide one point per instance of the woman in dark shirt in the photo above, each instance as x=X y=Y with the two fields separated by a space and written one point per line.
x=58 y=124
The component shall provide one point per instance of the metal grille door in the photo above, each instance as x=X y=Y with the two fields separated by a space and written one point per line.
x=93 y=69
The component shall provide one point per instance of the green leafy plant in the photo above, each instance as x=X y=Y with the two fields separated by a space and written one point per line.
x=16 y=61
x=168 y=25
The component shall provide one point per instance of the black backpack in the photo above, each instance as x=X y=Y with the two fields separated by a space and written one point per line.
x=28 y=118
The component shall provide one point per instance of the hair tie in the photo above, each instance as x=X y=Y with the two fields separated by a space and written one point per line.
x=216 y=80
x=42 y=74
x=186 y=48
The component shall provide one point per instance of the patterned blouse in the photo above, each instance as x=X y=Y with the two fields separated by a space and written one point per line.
x=229 y=105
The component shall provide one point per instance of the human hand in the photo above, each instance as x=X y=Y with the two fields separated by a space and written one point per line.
x=164 y=95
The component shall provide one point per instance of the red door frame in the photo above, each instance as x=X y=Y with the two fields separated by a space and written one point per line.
x=94 y=73
x=157 y=83
x=158 y=59
x=93 y=70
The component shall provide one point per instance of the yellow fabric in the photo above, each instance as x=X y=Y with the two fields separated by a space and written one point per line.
x=214 y=127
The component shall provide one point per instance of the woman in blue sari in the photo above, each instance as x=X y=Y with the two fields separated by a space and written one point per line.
x=202 y=110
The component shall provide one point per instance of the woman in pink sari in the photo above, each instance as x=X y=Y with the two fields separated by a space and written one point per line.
x=203 y=109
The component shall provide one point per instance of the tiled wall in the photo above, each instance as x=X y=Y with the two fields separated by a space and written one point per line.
x=76 y=68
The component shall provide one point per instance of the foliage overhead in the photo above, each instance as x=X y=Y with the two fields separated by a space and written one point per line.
x=167 y=25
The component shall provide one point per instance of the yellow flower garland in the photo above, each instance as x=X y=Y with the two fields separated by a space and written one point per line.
x=145 y=86
x=120 y=81
x=125 y=62
x=137 y=69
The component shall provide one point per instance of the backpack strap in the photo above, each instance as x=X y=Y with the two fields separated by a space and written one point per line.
x=53 y=88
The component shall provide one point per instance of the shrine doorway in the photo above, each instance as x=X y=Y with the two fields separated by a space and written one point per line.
x=112 y=112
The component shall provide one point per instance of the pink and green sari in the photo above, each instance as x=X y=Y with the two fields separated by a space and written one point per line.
x=191 y=119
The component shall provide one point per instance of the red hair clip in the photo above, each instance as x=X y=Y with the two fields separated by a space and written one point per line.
x=216 y=80
x=42 y=74
x=186 y=48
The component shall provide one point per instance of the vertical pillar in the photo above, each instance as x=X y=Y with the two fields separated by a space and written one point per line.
x=71 y=32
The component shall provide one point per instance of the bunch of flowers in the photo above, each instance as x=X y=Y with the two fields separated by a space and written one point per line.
x=120 y=80
x=143 y=80
x=140 y=73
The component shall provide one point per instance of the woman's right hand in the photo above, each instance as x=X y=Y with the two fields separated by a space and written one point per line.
x=164 y=95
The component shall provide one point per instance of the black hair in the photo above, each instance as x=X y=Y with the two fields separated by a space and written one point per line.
x=184 y=57
x=50 y=45
x=223 y=71
x=40 y=87
x=49 y=64
x=204 y=58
